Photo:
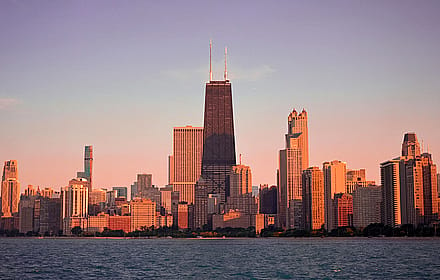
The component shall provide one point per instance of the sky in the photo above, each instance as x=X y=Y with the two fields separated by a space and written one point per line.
x=120 y=75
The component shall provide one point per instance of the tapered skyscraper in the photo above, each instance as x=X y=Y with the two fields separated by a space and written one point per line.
x=218 y=146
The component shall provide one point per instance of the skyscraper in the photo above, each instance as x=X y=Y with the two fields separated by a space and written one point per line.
x=292 y=162
x=355 y=178
x=75 y=203
x=88 y=166
x=241 y=180
x=335 y=173
x=343 y=210
x=313 y=198
x=410 y=145
x=367 y=205
x=390 y=180
x=10 y=189
x=218 y=146
x=143 y=183
x=186 y=160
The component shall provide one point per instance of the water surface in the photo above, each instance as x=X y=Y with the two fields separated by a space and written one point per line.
x=303 y=258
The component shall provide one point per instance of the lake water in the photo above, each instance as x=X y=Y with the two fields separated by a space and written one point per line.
x=304 y=258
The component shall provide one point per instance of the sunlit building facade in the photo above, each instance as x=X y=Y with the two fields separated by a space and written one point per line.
x=292 y=162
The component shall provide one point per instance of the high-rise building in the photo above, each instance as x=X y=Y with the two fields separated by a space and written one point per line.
x=334 y=182
x=367 y=203
x=143 y=214
x=121 y=191
x=143 y=183
x=88 y=166
x=430 y=189
x=218 y=147
x=186 y=160
x=438 y=186
x=50 y=209
x=241 y=180
x=268 y=199
x=75 y=202
x=26 y=213
x=313 y=198
x=343 y=210
x=10 y=189
x=410 y=145
x=292 y=162
x=168 y=197
x=390 y=180
x=170 y=170
x=355 y=178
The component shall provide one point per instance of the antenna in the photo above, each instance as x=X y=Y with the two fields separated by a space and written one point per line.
x=210 y=63
x=226 y=68
x=240 y=159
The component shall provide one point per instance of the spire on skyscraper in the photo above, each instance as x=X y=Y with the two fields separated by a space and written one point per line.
x=210 y=60
x=226 y=68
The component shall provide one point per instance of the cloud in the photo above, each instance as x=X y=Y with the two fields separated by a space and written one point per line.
x=6 y=103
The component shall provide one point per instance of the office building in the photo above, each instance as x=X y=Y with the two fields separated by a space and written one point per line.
x=75 y=202
x=313 y=198
x=186 y=160
x=356 y=177
x=121 y=191
x=268 y=199
x=390 y=180
x=343 y=210
x=50 y=210
x=218 y=147
x=88 y=166
x=10 y=189
x=293 y=160
x=143 y=214
x=367 y=204
x=334 y=182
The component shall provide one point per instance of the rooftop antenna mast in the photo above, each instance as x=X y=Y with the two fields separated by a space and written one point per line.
x=226 y=67
x=210 y=60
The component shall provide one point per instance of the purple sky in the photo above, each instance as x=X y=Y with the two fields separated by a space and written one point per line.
x=120 y=75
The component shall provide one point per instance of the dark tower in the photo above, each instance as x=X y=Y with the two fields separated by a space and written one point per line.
x=218 y=148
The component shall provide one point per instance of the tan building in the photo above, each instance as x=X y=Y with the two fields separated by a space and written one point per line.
x=10 y=189
x=240 y=180
x=97 y=196
x=335 y=173
x=47 y=192
x=367 y=203
x=356 y=177
x=313 y=198
x=97 y=223
x=186 y=161
x=143 y=214
x=75 y=201
x=167 y=198
x=292 y=162
x=237 y=219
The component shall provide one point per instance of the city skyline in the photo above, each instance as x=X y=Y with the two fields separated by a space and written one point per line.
x=51 y=113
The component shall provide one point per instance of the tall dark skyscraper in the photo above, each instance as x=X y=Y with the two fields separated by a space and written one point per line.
x=218 y=147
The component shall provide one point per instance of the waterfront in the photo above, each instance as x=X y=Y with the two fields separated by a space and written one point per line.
x=282 y=258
